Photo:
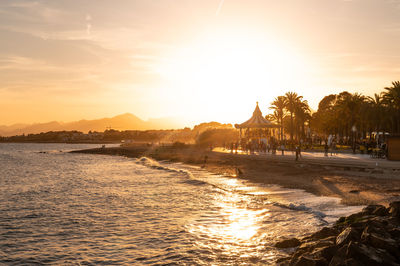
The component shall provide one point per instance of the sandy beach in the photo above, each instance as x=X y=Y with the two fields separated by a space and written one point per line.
x=359 y=182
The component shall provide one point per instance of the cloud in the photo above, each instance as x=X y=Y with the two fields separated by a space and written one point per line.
x=88 y=24
x=27 y=62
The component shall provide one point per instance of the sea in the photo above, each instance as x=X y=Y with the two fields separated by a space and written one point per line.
x=61 y=208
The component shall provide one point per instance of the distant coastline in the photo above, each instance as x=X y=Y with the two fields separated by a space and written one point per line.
x=66 y=142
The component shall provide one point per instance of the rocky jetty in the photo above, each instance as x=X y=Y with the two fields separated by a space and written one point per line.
x=370 y=237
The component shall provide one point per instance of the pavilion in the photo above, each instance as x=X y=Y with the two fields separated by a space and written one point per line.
x=257 y=126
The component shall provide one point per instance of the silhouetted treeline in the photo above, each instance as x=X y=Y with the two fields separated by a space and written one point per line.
x=346 y=116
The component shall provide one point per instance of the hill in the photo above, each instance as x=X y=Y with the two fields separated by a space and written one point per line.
x=120 y=122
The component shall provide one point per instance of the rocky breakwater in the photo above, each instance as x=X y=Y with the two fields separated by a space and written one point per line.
x=370 y=237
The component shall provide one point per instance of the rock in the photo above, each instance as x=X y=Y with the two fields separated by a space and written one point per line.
x=325 y=252
x=324 y=233
x=368 y=255
x=295 y=256
x=337 y=261
x=346 y=236
x=288 y=243
x=339 y=257
x=370 y=237
x=395 y=233
x=331 y=238
x=380 y=211
x=360 y=225
x=370 y=209
x=309 y=246
x=381 y=242
x=352 y=262
x=394 y=209
x=373 y=228
x=341 y=220
x=281 y=261
x=354 y=217
x=309 y=261
x=380 y=221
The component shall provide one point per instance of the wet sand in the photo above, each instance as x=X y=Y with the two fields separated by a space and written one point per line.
x=355 y=183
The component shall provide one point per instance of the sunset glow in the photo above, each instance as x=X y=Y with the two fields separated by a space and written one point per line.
x=212 y=132
x=225 y=66
x=194 y=61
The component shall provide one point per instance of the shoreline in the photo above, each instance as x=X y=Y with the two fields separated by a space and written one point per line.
x=353 y=184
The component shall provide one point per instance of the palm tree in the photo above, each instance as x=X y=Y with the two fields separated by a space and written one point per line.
x=302 y=115
x=292 y=100
x=273 y=117
x=376 y=113
x=392 y=98
x=278 y=105
x=349 y=110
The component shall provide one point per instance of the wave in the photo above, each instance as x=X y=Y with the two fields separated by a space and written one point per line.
x=191 y=179
x=156 y=165
x=195 y=182
x=303 y=208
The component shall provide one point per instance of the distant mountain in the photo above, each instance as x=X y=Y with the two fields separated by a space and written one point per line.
x=120 y=122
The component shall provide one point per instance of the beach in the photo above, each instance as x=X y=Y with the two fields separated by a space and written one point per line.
x=354 y=182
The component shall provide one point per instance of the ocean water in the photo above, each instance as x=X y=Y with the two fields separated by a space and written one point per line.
x=81 y=209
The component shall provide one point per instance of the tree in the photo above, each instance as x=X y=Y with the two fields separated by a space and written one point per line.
x=376 y=112
x=392 y=98
x=349 y=112
x=324 y=120
x=278 y=105
x=302 y=115
x=292 y=100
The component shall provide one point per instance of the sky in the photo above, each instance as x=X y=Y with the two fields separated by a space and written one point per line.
x=208 y=60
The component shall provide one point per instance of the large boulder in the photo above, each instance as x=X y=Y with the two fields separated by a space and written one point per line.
x=369 y=255
x=288 y=243
x=339 y=257
x=347 y=235
x=374 y=210
x=325 y=252
x=375 y=229
x=324 y=233
x=311 y=245
x=370 y=209
x=380 y=241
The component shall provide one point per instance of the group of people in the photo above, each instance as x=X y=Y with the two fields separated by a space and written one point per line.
x=251 y=146
x=263 y=145
x=273 y=145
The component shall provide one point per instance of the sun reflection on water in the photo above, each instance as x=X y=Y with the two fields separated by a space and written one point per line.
x=231 y=225
x=239 y=223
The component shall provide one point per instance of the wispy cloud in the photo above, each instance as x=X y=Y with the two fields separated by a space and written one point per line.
x=221 y=3
x=88 y=24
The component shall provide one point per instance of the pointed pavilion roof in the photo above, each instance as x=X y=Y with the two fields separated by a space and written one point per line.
x=257 y=121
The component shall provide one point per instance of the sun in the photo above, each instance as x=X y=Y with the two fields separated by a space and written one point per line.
x=230 y=65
